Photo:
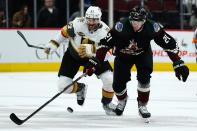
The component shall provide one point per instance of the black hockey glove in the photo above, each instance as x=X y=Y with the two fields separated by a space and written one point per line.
x=91 y=65
x=181 y=70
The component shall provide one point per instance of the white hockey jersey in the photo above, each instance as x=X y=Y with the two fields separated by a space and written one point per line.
x=78 y=30
x=81 y=31
x=194 y=40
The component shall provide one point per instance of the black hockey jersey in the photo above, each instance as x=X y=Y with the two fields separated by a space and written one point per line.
x=126 y=42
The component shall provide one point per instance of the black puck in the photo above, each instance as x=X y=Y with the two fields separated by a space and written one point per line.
x=69 y=109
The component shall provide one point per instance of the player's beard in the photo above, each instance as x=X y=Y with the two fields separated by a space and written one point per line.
x=92 y=27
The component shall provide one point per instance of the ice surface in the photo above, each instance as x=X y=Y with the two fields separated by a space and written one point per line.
x=173 y=104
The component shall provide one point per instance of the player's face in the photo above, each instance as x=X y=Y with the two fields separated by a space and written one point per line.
x=92 y=23
x=137 y=24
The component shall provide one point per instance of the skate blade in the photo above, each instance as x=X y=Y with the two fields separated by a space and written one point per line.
x=146 y=120
x=110 y=113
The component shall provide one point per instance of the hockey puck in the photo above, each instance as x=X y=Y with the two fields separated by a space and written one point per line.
x=69 y=109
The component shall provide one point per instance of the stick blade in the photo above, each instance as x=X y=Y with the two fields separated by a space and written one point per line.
x=18 y=32
x=15 y=119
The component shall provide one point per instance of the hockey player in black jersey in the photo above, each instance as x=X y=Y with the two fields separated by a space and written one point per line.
x=130 y=39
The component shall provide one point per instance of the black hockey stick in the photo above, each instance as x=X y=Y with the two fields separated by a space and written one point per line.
x=18 y=121
x=29 y=45
x=196 y=51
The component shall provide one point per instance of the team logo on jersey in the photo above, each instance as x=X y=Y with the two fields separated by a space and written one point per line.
x=132 y=49
x=119 y=26
x=156 y=27
x=80 y=33
x=70 y=25
x=133 y=45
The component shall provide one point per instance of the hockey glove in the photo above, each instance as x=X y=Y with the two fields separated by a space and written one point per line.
x=85 y=50
x=50 y=48
x=181 y=70
x=91 y=65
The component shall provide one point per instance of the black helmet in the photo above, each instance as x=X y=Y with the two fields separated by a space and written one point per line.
x=138 y=14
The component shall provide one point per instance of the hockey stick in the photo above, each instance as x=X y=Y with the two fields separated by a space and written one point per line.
x=18 y=121
x=29 y=45
x=196 y=51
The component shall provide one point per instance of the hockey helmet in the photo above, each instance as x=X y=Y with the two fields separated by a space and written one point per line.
x=138 y=14
x=93 y=12
x=93 y=17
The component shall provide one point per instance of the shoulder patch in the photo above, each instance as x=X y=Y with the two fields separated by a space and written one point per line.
x=70 y=30
x=156 y=27
x=119 y=26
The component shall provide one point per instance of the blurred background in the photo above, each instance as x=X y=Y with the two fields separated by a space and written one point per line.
x=41 y=20
x=28 y=76
x=173 y=14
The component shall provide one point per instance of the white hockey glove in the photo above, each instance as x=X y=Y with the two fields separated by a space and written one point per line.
x=85 y=51
x=50 y=48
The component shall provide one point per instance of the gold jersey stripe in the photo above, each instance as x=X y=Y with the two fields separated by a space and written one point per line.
x=55 y=43
x=75 y=88
x=107 y=94
x=64 y=32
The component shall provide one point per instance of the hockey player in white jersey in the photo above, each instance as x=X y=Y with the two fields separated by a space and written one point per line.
x=194 y=41
x=83 y=33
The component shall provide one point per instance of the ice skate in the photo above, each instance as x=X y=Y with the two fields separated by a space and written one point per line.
x=143 y=112
x=81 y=94
x=110 y=109
x=121 y=106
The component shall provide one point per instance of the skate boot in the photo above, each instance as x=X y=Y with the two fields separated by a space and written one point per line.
x=143 y=112
x=121 y=106
x=81 y=93
x=110 y=109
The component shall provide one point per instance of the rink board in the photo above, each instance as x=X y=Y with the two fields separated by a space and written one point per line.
x=16 y=56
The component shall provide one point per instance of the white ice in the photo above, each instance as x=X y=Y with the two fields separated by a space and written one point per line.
x=173 y=104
